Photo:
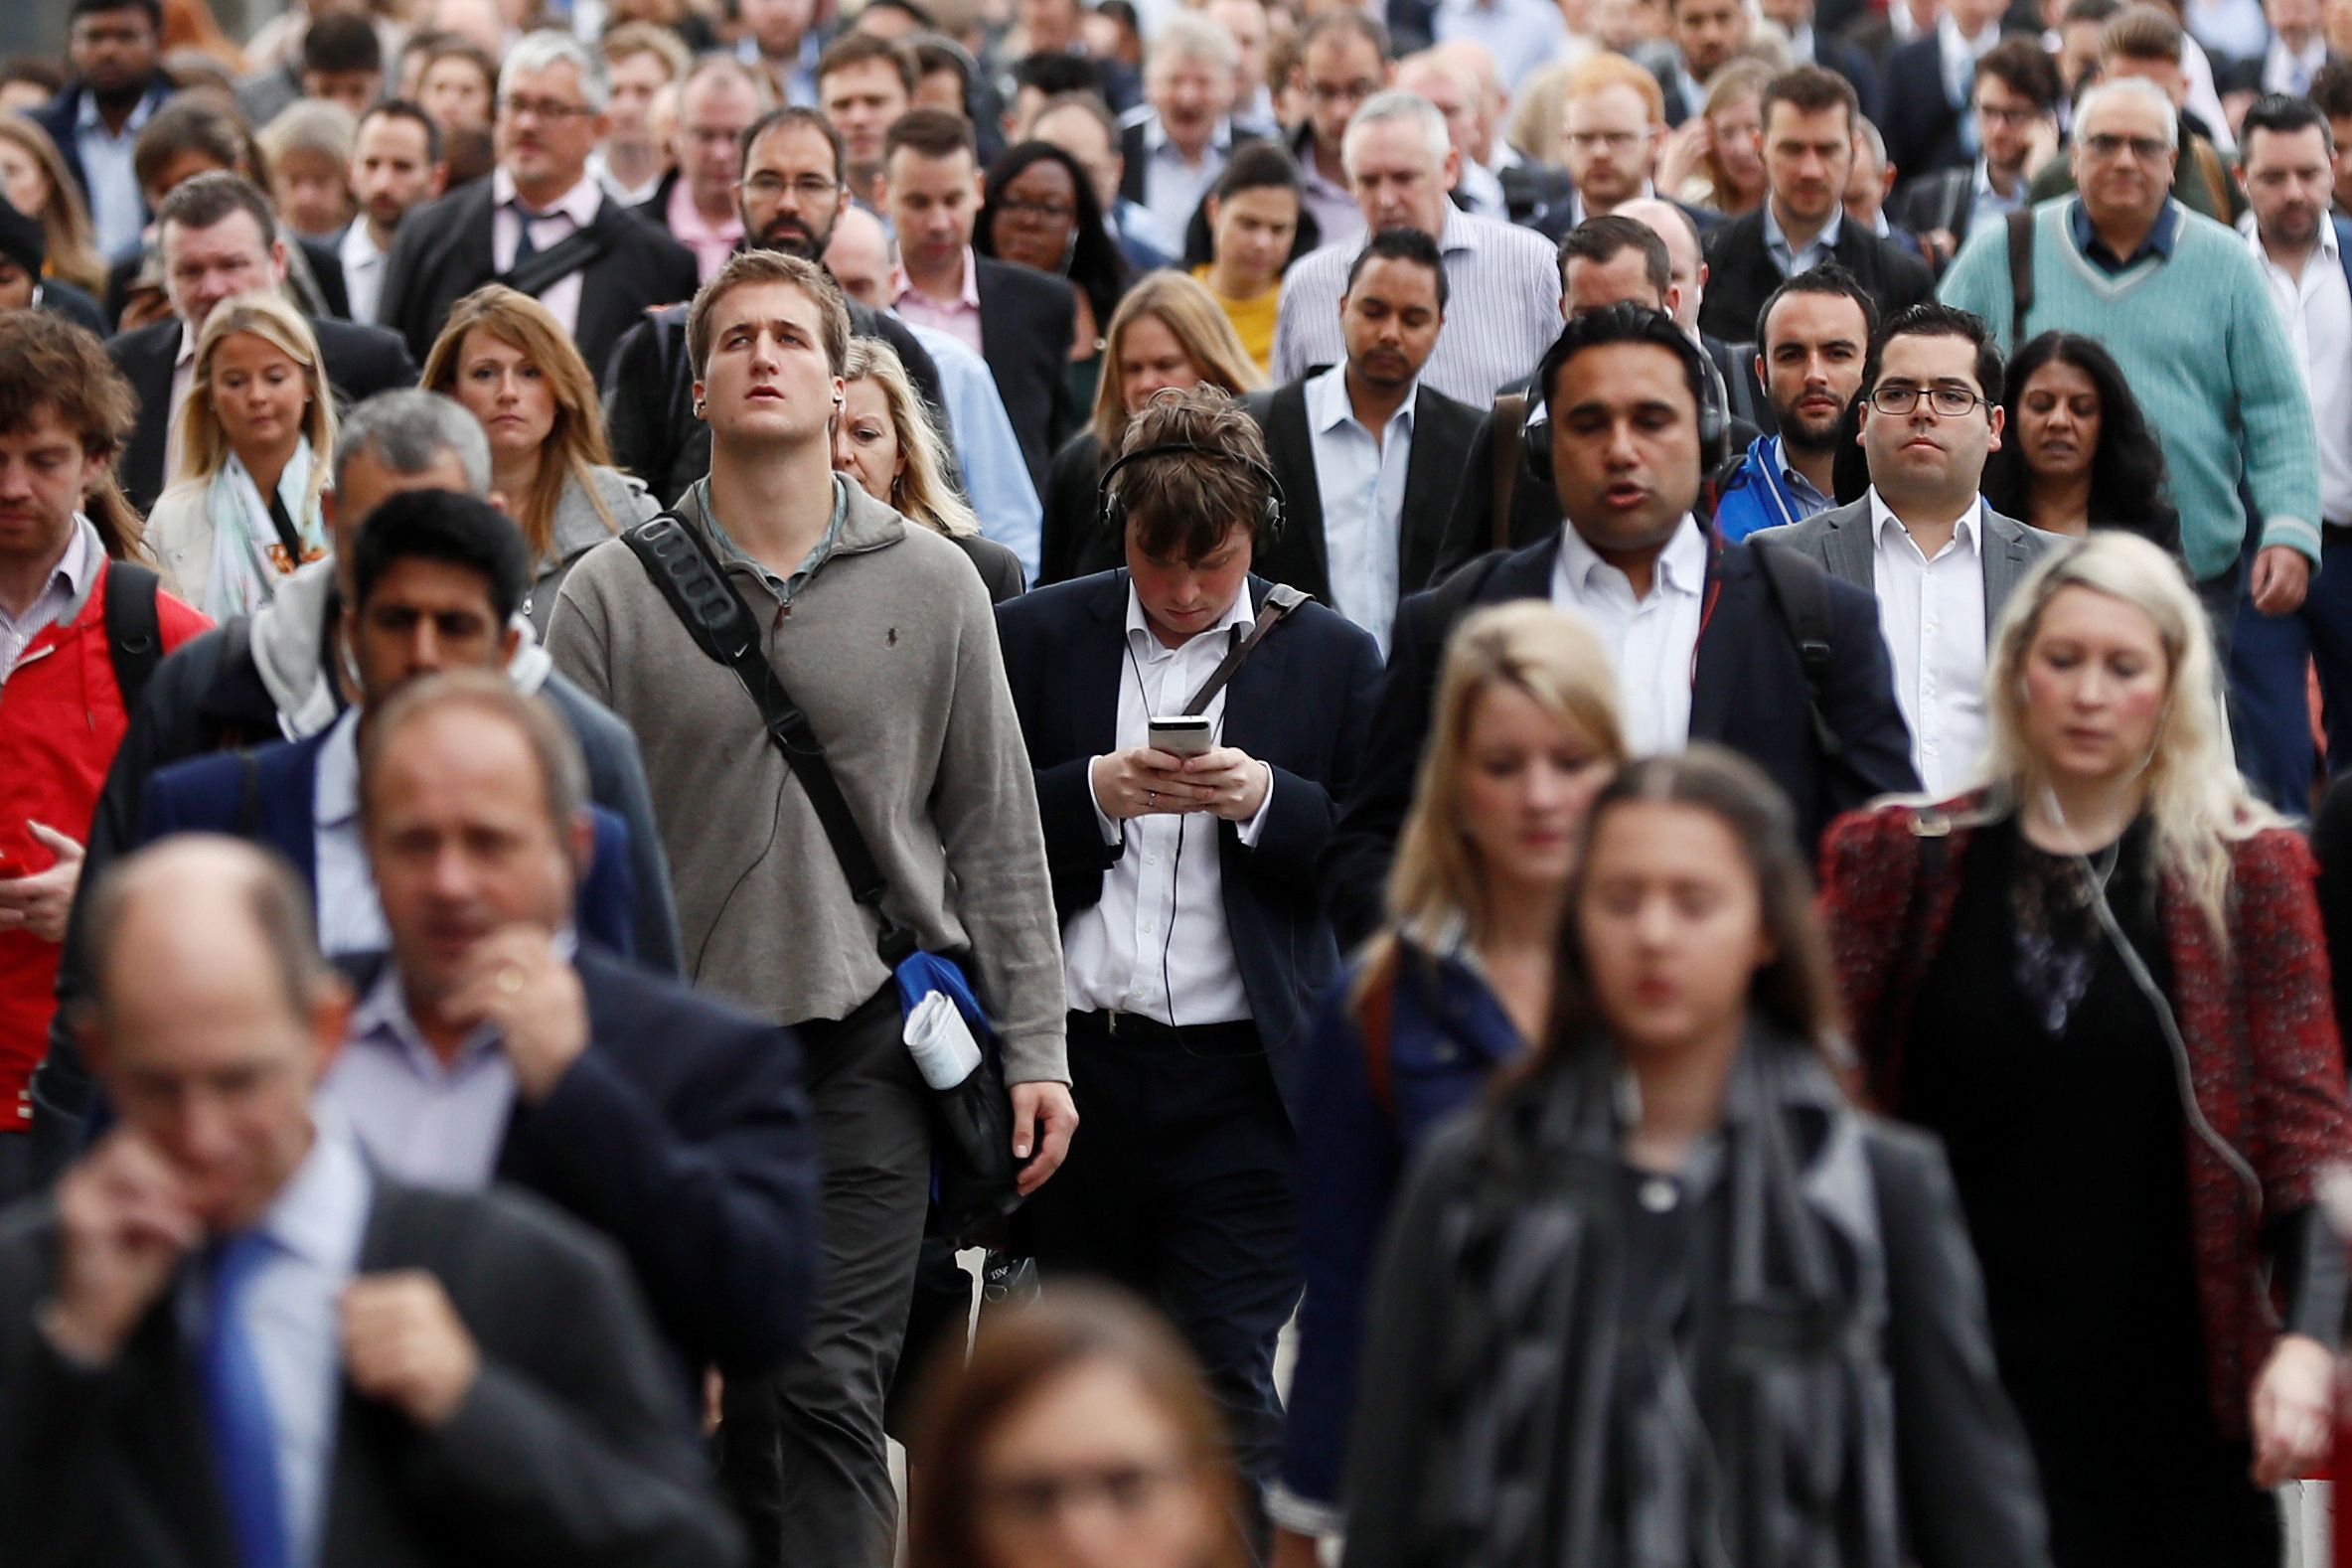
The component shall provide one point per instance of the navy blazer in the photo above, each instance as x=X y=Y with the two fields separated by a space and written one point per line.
x=1748 y=693
x=207 y=795
x=1302 y=704
x=58 y=116
x=682 y=1133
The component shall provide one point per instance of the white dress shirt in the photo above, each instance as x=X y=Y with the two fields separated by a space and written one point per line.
x=1932 y=615
x=350 y=915
x=1361 y=481
x=1159 y=930
x=2316 y=310
x=2286 y=70
x=362 y=269
x=576 y=210
x=422 y=1122
x=1653 y=641
x=68 y=584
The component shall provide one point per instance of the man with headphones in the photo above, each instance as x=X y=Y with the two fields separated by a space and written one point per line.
x=1712 y=642
x=1192 y=937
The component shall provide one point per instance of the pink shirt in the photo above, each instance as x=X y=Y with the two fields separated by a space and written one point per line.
x=710 y=242
x=959 y=318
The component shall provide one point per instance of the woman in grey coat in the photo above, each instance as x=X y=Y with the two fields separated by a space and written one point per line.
x=1667 y=1299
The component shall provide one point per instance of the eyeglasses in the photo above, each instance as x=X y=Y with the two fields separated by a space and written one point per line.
x=2144 y=149
x=811 y=188
x=1037 y=211
x=2007 y=117
x=1949 y=403
x=542 y=110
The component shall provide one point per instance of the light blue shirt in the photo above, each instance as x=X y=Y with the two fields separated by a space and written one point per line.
x=1988 y=209
x=292 y=1313
x=1363 y=485
x=995 y=475
x=1791 y=261
x=350 y=914
x=1521 y=35
x=799 y=84
x=1173 y=184
x=118 y=212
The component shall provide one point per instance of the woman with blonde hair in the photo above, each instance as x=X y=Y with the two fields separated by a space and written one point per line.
x=32 y=178
x=504 y=356
x=882 y=440
x=1716 y=160
x=2099 y=977
x=1168 y=331
x=1525 y=732
x=255 y=433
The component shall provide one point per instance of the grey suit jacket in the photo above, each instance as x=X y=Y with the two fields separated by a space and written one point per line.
x=1840 y=540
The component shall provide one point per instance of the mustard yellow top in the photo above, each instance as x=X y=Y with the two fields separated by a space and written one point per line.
x=1253 y=319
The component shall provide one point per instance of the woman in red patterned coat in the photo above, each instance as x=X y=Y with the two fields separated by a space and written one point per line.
x=2100 y=977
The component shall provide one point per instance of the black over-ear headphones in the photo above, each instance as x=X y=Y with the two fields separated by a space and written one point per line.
x=1658 y=330
x=1111 y=511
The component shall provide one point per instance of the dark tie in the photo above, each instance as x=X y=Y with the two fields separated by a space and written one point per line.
x=524 y=219
x=237 y=1410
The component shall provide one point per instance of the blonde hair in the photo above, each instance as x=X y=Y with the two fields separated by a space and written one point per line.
x=576 y=443
x=1551 y=660
x=1199 y=322
x=920 y=490
x=64 y=221
x=2196 y=800
x=204 y=444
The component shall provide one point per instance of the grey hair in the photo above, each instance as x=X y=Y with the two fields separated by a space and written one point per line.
x=562 y=771
x=409 y=431
x=1188 y=35
x=1396 y=103
x=2135 y=87
x=310 y=125
x=547 y=46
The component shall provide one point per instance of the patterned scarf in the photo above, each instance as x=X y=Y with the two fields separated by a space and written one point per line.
x=248 y=556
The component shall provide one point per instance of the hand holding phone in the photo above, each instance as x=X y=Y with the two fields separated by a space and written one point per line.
x=1180 y=734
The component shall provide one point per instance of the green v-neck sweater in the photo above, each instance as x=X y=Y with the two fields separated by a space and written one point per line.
x=2201 y=345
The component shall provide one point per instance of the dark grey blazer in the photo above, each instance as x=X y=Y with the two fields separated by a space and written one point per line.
x=573 y=1446
x=1840 y=540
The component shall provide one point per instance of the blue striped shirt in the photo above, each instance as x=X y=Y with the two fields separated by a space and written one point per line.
x=1503 y=308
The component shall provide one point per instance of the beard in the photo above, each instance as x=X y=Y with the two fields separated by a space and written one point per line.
x=795 y=239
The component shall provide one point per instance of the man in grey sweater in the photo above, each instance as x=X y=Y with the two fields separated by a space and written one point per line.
x=882 y=633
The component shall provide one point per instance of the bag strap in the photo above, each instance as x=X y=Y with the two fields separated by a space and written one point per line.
x=2020 y=274
x=1799 y=590
x=248 y=795
x=1510 y=415
x=723 y=627
x=1375 y=1023
x=574 y=252
x=1281 y=599
x=134 y=637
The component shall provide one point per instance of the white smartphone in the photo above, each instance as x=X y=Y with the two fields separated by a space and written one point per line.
x=1180 y=734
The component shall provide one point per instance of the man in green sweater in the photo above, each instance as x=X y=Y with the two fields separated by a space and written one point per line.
x=2182 y=307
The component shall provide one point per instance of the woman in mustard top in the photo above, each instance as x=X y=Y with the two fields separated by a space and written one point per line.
x=1253 y=217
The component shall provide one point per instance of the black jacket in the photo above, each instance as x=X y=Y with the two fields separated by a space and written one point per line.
x=1302 y=704
x=1917 y=118
x=1747 y=691
x=1741 y=274
x=1442 y=433
x=59 y=115
x=683 y=1135
x=1071 y=545
x=442 y=254
x=361 y=362
x=1027 y=318
x=570 y=1447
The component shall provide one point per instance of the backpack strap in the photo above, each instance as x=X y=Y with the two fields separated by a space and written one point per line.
x=2020 y=274
x=1799 y=590
x=1510 y=417
x=134 y=637
x=574 y=252
x=1281 y=599
x=1376 y=1025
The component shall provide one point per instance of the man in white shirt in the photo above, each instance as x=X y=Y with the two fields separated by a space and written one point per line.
x=1343 y=60
x=395 y=164
x=2286 y=155
x=1941 y=563
x=1187 y=126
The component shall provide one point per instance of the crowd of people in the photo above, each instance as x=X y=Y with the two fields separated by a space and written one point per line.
x=637 y=638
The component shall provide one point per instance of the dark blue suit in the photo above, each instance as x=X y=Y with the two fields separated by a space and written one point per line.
x=208 y=794
x=1747 y=693
x=683 y=1134
x=1182 y=1182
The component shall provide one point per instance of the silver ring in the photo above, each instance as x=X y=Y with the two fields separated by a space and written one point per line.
x=510 y=980
x=1151 y=798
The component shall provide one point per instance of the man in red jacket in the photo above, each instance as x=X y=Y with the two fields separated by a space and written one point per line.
x=64 y=657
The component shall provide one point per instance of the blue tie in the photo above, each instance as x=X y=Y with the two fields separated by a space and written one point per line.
x=525 y=249
x=236 y=1409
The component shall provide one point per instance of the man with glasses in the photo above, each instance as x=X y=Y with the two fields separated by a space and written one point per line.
x=1942 y=561
x=2016 y=102
x=540 y=222
x=2188 y=315
x=1344 y=60
x=695 y=201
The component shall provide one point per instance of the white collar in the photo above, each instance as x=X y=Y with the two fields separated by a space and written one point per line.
x=1947 y=35
x=321 y=1215
x=335 y=793
x=1681 y=566
x=1965 y=533
x=579 y=204
x=1240 y=614
x=1329 y=406
x=358 y=246
x=1156 y=135
x=2253 y=238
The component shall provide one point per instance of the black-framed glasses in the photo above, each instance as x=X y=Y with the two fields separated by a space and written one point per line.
x=771 y=187
x=2006 y=115
x=2145 y=149
x=1949 y=403
x=548 y=109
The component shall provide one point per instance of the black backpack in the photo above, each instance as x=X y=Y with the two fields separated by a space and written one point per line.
x=134 y=638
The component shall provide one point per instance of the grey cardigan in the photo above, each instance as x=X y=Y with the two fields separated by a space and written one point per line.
x=891 y=649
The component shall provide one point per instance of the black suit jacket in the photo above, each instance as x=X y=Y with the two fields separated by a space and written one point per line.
x=361 y=362
x=442 y=254
x=1741 y=274
x=59 y=115
x=1917 y=118
x=1302 y=704
x=1748 y=693
x=571 y=1446
x=682 y=1133
x=1442 y=433
x=1026 y=321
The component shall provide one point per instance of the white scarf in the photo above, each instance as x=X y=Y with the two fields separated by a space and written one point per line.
x=248 y=559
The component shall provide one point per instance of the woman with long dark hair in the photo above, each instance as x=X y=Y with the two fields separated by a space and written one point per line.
x=1251 y=227
x=1038 y=209
x=1668 y=1297
x=2079 y=454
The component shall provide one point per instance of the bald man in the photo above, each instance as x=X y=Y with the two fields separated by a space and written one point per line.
x=228 y=1339
x=1735 y=365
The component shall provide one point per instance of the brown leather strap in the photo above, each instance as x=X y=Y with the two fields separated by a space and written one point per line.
x=2020 y=274
x=1511 y=416
x=1376 y=1020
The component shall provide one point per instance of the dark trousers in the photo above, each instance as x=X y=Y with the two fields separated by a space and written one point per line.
x=1182 y=1185
x=2271 y=712
x=802 y=1453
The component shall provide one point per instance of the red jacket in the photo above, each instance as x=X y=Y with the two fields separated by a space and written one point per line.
x=60 y=718
x=2258 y=1020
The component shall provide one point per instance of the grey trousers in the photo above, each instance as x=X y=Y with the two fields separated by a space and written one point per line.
x=830 y=1472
